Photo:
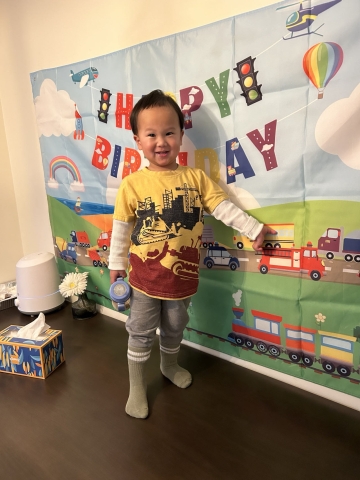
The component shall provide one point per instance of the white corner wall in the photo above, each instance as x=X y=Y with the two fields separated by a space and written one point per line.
x=10 y=240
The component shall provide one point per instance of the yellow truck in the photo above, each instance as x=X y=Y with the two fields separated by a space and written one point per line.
x=282 y=239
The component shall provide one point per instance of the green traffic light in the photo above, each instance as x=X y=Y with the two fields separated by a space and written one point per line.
x=253 y=94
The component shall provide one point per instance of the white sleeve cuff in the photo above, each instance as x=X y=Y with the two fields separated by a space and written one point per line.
x=119 y=245
x=234 y=217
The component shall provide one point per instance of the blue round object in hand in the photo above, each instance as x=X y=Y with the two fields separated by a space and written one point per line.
x=120 y=293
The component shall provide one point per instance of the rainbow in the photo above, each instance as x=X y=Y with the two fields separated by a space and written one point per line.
x=64 y=162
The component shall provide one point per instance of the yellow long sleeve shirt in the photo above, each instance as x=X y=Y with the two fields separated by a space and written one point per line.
x=159 y=215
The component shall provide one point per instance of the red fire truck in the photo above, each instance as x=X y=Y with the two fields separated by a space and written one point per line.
x=304 y=259
x=104 y=240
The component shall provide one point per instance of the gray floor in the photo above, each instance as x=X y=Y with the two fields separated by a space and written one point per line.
x=230 y=424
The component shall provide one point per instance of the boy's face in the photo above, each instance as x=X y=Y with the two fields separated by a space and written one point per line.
x=159 y=137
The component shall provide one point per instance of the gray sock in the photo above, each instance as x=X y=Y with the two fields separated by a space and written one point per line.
x=170 y=368
x=137 y=404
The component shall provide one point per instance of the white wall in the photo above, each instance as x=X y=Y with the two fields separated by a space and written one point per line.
x=10 y=243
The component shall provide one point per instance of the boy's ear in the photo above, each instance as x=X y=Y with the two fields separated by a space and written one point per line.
x=138 y=143
x=182 y=136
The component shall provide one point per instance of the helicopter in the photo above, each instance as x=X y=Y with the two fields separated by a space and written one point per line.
x=304 y=17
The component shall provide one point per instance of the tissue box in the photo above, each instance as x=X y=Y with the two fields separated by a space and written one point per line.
x=32 y=358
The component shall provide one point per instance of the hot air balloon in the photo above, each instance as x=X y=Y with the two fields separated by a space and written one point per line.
x=321 y=63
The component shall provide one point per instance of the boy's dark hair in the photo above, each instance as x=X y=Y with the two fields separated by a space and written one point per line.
x=156 y=98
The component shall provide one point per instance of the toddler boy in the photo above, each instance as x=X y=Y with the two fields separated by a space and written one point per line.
x=158 y=218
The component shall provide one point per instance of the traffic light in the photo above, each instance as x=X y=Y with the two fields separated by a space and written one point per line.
x=247 y=80
x=104 y=105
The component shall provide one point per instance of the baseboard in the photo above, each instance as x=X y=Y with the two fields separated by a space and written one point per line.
x=328 y=393
x=109 y=312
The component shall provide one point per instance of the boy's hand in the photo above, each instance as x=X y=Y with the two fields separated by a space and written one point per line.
x=114 y=274
x=257 y=244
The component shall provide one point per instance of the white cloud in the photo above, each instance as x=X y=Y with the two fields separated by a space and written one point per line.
x=267 y=147
x=193 y=91
x=77 y=186
x=52 y=183
x=337 y=130
x=55 y=111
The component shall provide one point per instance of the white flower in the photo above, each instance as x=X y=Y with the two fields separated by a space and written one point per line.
x=73 y=284
x=320 y=318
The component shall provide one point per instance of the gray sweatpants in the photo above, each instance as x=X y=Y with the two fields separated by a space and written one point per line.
x=147 y=314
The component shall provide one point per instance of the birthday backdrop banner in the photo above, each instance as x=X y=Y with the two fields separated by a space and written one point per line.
x=271 y=101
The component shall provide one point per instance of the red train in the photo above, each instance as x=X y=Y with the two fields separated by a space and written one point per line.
x=335 y=351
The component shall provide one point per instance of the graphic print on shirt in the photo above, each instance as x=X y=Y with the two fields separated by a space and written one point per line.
x=154 y=226
x=168 y=236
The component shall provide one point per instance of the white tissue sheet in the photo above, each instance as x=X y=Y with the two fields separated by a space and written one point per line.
x=33 y=330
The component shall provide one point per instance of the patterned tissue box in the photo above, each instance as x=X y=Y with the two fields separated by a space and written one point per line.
x=32 y=358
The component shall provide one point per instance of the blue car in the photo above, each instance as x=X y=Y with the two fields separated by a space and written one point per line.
x=220 y=256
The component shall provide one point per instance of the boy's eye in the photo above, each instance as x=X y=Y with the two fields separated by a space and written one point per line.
x=151 y=135
x=169 y=133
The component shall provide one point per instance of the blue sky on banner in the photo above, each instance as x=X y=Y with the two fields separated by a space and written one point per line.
x=317 y=145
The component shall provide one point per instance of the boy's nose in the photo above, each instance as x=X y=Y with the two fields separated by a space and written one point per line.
x=161 y=140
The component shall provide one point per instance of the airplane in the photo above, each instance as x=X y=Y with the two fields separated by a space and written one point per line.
x=304 y=17
x=85 y=76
